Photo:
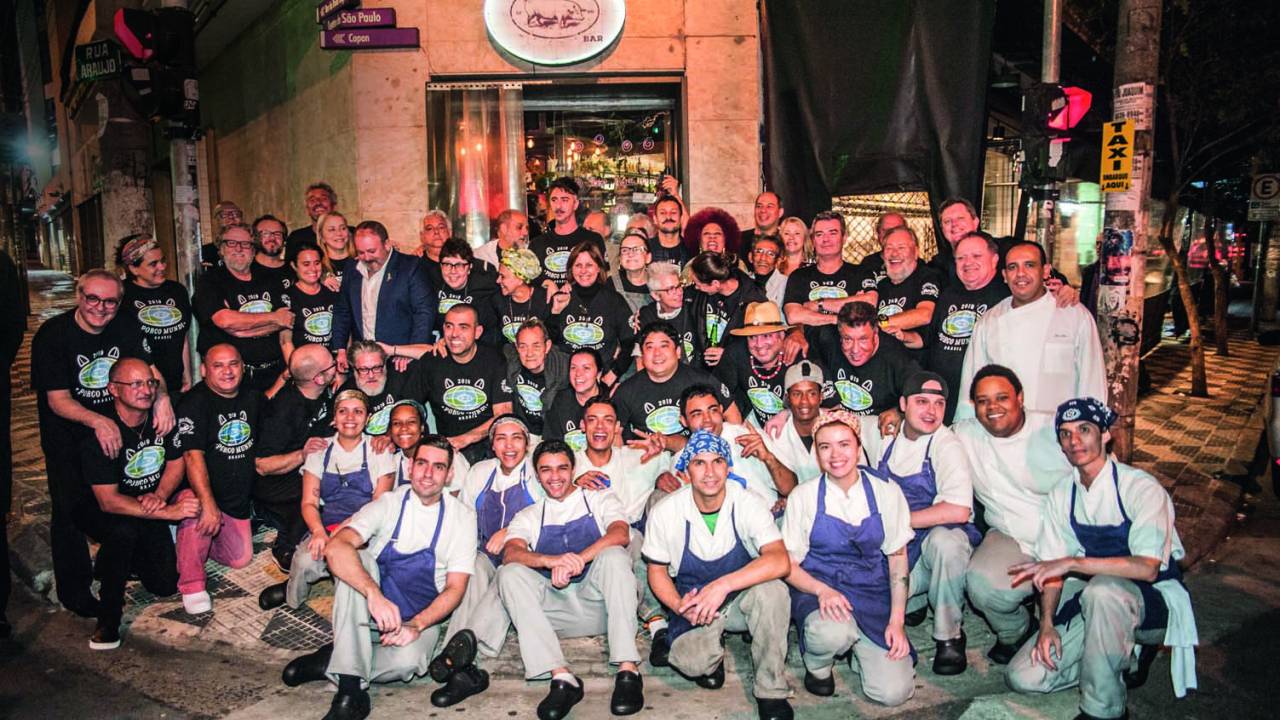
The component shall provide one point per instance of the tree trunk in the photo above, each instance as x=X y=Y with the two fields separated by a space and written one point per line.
x=1199 y=377
x=1221 y=289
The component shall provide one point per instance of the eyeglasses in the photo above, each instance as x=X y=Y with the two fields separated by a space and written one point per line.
x=631 y=250
x=455 y=265
x=270 y=233
x=371 y=370
x=765 y=253
x=138 y=384
x=673 y=288
x=238 y=244
x=106 y=302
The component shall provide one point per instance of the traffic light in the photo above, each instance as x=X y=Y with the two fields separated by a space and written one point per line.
x=161 y=80
x=1049 y=111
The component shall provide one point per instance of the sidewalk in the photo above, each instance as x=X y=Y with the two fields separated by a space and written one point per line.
x=1181 y=440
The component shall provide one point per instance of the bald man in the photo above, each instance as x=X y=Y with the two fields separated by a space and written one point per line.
x=294 y=423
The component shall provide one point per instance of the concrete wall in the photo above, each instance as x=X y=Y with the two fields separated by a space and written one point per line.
x=285 y=113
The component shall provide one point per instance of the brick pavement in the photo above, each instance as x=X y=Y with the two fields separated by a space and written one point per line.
x=1182 y=440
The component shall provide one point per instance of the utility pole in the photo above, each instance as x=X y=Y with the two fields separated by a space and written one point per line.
x=1124 y=257
x=1050 y=75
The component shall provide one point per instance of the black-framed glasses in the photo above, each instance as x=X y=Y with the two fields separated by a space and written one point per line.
x=455 y=265
x=270 y=233
x=136 y=385
x=371 y=370
x=238 y=244
x=105 y=302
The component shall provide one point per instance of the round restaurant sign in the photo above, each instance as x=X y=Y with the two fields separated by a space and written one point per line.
x=554 y=32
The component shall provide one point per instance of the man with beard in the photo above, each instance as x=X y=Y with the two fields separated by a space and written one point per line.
x=268 y=235
x=243 y=308
x=908 y=289
x=668 y=246
x=319 y=199
x=552 y=247
x=753 y=371
x=512 y=234
x=385 y=386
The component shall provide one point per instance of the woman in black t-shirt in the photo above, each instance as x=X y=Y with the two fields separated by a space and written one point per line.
x=159 y=308
x=310 y=301
x=338 y=246
x=593 y=314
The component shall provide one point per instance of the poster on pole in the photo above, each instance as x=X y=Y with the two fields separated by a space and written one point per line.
x=1134 y=101
x=1116 y=172
x=1116 y=257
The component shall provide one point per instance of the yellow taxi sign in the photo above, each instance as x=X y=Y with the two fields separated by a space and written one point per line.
x=1116 y=172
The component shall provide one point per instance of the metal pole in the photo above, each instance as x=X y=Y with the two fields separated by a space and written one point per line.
x=1046 y=233
x=184 y=172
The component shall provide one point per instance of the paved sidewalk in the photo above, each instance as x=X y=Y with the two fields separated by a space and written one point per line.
x=1182 y=440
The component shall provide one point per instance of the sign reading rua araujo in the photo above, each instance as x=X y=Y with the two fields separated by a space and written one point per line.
x=97 y=60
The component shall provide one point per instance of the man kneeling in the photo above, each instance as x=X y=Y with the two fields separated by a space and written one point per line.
x=402 y=564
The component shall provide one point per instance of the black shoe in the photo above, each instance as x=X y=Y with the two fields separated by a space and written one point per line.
x=105 y=637
x=349 y=706
x=307 y=668
x=822 y=687
x=660 y=649
x=459 y=652
x=1002 y=653
x=712 y=681
x=774 y=709
x=1137 y=677
x=1086 y=716
x=915 y=617
x=560 y=700
x=949 y=659
x=628 y=693
x=272 y=596
x=463 y=683
x=282 y=559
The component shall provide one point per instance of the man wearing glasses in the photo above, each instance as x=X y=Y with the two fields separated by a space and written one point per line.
x=372 y=375
x=71 y=359
x=296 y=422
x=268 y=234
x=243 y=308
x=129 y=486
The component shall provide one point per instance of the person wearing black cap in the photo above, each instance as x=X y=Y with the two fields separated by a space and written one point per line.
x=928 y=462
x=1108 y=576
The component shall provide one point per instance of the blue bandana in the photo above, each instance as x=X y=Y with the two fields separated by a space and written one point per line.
x=703 y=441
x=1087 y=409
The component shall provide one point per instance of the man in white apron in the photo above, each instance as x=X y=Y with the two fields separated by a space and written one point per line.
x=1107 y=572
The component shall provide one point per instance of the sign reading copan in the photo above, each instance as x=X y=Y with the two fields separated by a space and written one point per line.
x=554 y=32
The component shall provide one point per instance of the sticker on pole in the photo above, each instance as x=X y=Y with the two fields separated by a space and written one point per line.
x=1116 y=173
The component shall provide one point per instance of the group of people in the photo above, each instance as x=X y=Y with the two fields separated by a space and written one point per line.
x=689 y=431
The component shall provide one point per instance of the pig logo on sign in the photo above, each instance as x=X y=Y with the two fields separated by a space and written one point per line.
x=555 y=19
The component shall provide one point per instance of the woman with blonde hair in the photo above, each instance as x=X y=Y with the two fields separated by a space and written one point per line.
x=333 y=235
x=797 y=251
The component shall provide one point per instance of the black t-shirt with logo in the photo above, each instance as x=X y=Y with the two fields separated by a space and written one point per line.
x=553 y=251
x=527 y=398
x=288 y=420
x=808 y=283
x=162 y=316
x=947 y=337
x=461 y=396
x=563 y=420
x=722 y=313
x=677 y=255
x=687 y=328
x=65 y=357
x=756 y=391
x=225 y=430
x=220 y=290
x=509 y=315
x=312 y=315
x=643 y=404
x=282 y=276
x=922 y=285
x=601 y=322
x=871 y=388
x=397 y=387
x=137 y=469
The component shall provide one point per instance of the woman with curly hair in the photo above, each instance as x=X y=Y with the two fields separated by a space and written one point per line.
x=712 y=230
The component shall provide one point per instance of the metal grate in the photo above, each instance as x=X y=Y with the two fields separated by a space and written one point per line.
x=860 y=214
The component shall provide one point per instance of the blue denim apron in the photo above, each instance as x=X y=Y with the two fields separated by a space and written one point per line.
x=494 y=509
x=696 y=572
x=571 y=537
x=409 y=579
x=920 y=490
x=344 y=493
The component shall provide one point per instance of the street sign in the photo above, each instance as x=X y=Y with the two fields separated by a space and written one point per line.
x=329 y=7
x=366 y=39
x=361 y=18
x=97 y=60
x=1116 y=173
x=1264 y=197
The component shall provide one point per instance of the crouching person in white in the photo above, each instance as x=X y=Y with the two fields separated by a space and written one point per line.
x=847 y=534
x=566 y=573
x=401 y=563
x=1108 y=576
x=716 y=561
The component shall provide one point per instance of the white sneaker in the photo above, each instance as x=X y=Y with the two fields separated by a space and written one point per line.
x=197 y=603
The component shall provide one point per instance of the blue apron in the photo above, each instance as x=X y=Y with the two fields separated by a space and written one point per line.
x=494 y=509
x=571 y=537
x=920 y=490
x=409 y=579
x=849 y=560
x=696 y=572
x=344 y=493
x=1113 y=541
x=400 y=478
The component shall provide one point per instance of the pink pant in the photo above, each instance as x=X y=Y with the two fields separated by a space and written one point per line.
x=232 y=546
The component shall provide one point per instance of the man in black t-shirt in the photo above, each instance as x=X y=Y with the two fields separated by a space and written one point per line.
x=754 y=371
x=867 y=367
x=815 y=293
x=269 y=261
x=217 y=426
x=296 y=422
x=553 y=246
x=535 y=374
x=319 y=199
x=238 y=306
x=130 y=487
x=667 y=246
x=71 y=359
x=649 y=401
x=719 y=300
x=908 y=289
x=467 y=388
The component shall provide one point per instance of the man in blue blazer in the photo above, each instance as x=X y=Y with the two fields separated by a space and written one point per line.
x=385 y=296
